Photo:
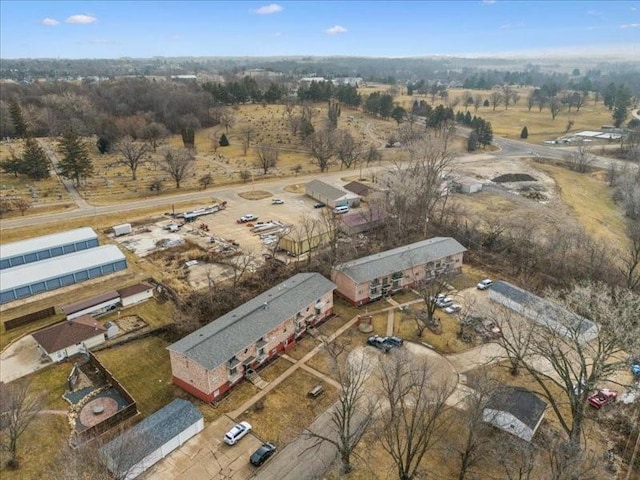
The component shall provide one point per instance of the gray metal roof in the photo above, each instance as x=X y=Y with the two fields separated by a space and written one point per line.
x=521 y=403
x=547 y=313
x=47 y=241
x=217 y=342
x=150 y=434
x=55 y=267
x=385 y=263
x=328 y=191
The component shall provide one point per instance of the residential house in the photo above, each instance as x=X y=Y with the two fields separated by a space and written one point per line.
x=330 y=195
x=516 y=411
x=370 y=278
x=69 y=338
x=208 y=362
x=137 y=449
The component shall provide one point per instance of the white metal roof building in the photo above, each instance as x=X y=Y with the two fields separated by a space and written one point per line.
x=47 y=246
x=33 y=278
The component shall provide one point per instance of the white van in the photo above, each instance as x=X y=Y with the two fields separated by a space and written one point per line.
x=341 y=209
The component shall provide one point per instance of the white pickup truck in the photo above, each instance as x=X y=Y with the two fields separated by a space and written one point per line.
x=249 y=217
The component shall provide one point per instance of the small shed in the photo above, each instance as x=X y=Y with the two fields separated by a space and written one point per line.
x=135 y=294
x=92 y=306
x=361 y=221
x=358 y=188
x=123 y=229
x=69 y=338
x=468 y=185
x=112 y=330
x=136 y=450
x=330 y=195
x=515 y=410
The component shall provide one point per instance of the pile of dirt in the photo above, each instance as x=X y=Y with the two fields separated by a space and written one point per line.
x=514 y=177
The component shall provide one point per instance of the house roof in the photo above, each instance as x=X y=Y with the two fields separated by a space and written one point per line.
x=150 y=434
x=363 y=217
x=547 y=313
x=90 y=302
x=399 y=259
x=217 y=342
x=56 y=267
x=522 y=404
x=67 y=333
x=327 y=191
x=134 y=289
x=47 y=241
x=358 y=188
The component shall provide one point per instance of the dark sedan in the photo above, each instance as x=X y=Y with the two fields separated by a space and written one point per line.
x=263 y=454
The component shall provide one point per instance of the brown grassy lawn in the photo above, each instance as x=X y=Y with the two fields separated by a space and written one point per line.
x=275 y=369
x=51 y=382
x=39 y=447
x=304 y=345
x=445 y=343
x=404 y=297
x=155 y=314
x=238 y=395
x=469 y=277
x=287 y=410
x=509 y=123
x=143 y=368
x=591 y=202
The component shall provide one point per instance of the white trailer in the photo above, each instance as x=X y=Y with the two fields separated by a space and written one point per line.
x=123 y=229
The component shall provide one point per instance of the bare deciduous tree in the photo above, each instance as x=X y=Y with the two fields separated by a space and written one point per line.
x=322 y=148
x=205 y=180
x=568 y=360
x=132 y=154
x=22 y=406
x=266 y=157
x=154 y=134
x=580 y=160
x=247 y=135
x=495 y=99
x=477 y=102
x=227 y=120
x=178 y=163
x=411 y=420
x=348 y=149
x=352 y=414
x=555 y=106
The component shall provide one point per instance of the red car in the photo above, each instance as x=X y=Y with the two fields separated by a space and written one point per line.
x=602 y=397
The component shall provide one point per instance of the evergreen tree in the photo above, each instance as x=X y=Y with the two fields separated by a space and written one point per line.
x=467 y=118
x=76 y=163
x=13 y=165
x=19 y=123
x=35 y=163
x=224 y=142
x=621 y=105
x=334 y=113
x=472 y=142
x=524 y=133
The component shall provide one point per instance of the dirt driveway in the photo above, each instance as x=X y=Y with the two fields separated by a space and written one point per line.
x=207 y=457
x=20 y=358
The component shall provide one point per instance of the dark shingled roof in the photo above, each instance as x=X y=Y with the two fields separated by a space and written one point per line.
x=67 y=333
x=134 y=289
x=90 y=302
x=521 y=403
x=358 y=188
x=216 y=343
x=328 y=191
x=150 y=434
x=401 y=258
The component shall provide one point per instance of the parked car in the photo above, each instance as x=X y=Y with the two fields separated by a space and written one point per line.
x=602 y=397
x=635 y=367
x=394 y=341
x=484 y=284
x=319 y=205
x=341 y=209
x=236 y=433
x=444 y=302
x=262 y=454
x=277 y=201
x=453 y=308
x=249 y=217
x=379 y=343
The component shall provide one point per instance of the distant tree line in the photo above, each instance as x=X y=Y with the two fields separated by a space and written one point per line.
x=246 y=90
x=323 y=91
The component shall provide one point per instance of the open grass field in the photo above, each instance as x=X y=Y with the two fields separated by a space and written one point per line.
x=143 y=368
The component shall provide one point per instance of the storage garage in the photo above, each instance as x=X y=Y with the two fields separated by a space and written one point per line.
x=46 y=275
x=140 y=447
x=92 y=306
x=48 y=246
x=135 y=294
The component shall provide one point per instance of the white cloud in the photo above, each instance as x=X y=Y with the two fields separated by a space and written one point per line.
x=633 y=9
x=276 y=34
x=81 y=19
x=49 y=22
x=488 y=2
x=630 y=25
x=335 y=30
x=268 y=9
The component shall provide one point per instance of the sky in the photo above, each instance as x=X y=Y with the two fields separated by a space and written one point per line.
x=378 y=28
